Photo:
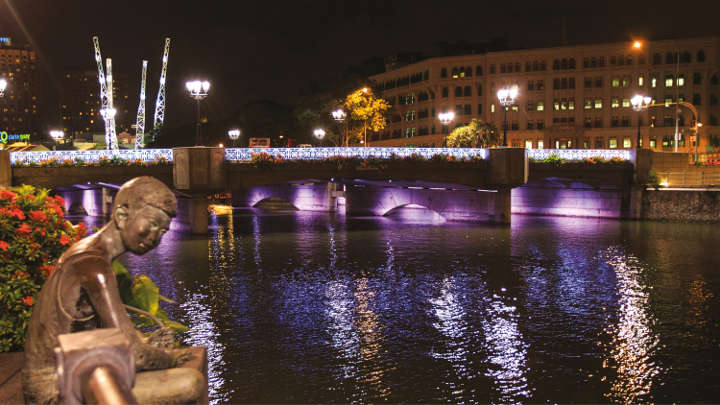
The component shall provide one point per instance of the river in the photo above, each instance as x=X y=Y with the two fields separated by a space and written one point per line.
x=316 y=307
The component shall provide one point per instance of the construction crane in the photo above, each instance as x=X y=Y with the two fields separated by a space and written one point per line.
x=160 y=102
x=140 y=123
x=106 y=110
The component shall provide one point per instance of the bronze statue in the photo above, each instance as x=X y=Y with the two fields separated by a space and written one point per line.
x=82 y=294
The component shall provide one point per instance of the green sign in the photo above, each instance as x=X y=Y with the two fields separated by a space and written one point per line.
x=5 y=137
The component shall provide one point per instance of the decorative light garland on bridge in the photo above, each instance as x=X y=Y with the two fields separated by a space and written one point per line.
x=245 y=154
x=580 y=154
x=92 y=156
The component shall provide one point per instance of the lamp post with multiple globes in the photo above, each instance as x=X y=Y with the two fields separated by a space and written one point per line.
x=506 y=97
x=198 y=90
x=639 y=103
x=234 y=135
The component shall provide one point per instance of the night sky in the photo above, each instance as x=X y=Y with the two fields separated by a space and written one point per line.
x=254 y=50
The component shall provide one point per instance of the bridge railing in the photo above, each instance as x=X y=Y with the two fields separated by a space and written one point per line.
x=580 y=154
x=245 y=154
x=92 y=156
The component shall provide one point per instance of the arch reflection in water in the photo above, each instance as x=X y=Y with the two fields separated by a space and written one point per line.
x=633 y=346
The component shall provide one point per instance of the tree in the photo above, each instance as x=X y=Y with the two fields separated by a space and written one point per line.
x=477 y=134
x=368 y=110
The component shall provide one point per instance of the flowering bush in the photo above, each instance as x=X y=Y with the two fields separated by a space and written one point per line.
x=33 y=234
x=103 y=161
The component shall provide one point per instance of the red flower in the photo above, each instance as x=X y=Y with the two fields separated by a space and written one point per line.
x=60 y=200
x=81 y=230
x=24 y=228
x=7 y=195
x=38 y=216
x=64 y=240
x=3 y=245
x=28 y=301
x=48 y=270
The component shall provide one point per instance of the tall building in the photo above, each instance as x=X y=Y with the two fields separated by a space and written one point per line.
x=569 y=96
x=19 y=107
x=80 y=103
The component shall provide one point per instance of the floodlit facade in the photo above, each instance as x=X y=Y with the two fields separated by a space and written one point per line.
x=19 y=107
x=569 y=97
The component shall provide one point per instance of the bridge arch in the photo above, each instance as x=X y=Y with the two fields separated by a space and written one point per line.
x=412 y=212
x=275 y=203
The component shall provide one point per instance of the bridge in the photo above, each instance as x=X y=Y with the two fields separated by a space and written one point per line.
x=457 y=183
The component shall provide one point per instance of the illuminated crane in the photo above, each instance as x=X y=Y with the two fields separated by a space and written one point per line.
x=160 y=102
x=106 y=109
x=140 y=124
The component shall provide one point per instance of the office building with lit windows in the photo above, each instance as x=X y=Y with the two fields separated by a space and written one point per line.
x=569 y=96
x=19 y=107
x=80 y=104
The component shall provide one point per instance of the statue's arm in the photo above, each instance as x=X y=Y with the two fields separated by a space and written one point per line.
x=98 y=281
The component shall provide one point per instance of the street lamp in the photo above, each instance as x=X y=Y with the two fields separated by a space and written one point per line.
x=445 y=119
x=234 y=135
x=340 y=116
x=319 y=133
x=198 y=90
x=639 y=103
x=506 y=96
x=57 y=135
x=3 y=85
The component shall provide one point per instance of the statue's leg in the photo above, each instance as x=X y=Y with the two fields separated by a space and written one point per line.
x=170 y=386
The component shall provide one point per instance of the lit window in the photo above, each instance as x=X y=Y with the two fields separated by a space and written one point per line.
x=540 y=144
x=626 y=102
x=625 y=81
x=571 y=105
x=668 y=100
x=588 y=103
x=653 y=82
x=528 y=144
x=514 y=107
x=615 y=82
x=681 y=80
x=492 y=108
x=612 y=143
x=641 y=81
x=653 y=143
x=540 y=106
x=627 y=143
x=668 y=81
x=614 y=102
x=556 y=106
x=598 y=103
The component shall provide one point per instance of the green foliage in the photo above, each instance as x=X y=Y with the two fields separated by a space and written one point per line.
x=653 y=179
x=33 y=234
x=554 y=160
x=142 y=293
x=477 y=134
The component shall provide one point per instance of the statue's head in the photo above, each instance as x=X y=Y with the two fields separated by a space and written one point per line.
x=142 y=211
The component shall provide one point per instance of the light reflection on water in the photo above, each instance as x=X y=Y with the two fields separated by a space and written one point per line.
x=633 y=344
x=308 y=307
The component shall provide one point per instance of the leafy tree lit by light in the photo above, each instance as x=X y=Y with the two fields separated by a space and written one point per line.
x=368 y=111
x=477 y=134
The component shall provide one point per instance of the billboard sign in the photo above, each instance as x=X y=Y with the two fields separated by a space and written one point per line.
x=259 y=142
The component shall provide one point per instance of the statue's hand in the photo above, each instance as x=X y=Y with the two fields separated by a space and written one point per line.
x=163 y=337
x=181 y=356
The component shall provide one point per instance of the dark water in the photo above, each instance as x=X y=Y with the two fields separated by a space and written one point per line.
x=306 y=307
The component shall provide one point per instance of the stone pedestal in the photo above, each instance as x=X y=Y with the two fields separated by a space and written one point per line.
x=198 y=171
x=507 y=167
